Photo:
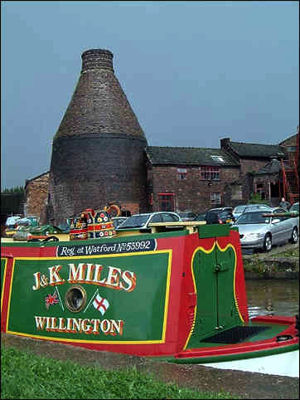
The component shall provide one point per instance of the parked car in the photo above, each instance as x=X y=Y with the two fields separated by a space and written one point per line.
x=238 y=210
x=27 y=232
x=10 y=226
x=294 y=208
x=142 y=221
x=262 y=230
x=187 y=215
x=221 y=215
x=117 y=221
x=11 y=222
x=28 y=221
x=200 y=216
x=64 y=227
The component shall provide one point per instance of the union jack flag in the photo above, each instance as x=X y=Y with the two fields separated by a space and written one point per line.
x=51 y=299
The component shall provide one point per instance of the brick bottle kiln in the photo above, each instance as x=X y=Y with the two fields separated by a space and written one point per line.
x=98 y=150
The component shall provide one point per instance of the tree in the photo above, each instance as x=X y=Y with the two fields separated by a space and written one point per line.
x=255 y=198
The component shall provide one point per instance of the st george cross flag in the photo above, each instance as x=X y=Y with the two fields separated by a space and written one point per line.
x=100 y=304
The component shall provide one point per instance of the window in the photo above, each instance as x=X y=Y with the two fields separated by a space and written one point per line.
x=156 y=218
x=210 y=173
x=218 y=159
x=169 y=218
x=181 y=174
x=166 y=201
x=215 y=198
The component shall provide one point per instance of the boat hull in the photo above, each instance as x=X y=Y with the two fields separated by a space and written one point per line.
x=176 y=295
x=283 y=364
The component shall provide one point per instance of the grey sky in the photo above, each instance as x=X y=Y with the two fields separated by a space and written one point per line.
x=193 y=72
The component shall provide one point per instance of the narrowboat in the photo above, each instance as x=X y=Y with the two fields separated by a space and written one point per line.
x=175 y=294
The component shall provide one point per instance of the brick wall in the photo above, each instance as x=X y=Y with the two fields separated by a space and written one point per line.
x=191 y=193
x=248 y=165
x=36 y=192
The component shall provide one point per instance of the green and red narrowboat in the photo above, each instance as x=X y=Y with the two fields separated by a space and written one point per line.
x=177 y=294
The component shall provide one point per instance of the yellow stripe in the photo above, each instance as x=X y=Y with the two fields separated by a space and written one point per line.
x=3 y=283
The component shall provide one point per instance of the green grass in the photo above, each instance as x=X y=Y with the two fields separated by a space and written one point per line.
x=28 y=376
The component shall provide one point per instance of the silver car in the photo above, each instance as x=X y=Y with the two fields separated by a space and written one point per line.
x=262 y=230
x=239 y=210
x=117 y=221
x=142 y=221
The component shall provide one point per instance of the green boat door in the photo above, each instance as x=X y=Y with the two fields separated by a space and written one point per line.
x=214 y=274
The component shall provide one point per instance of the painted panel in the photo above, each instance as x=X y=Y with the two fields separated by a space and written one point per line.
x=102 y=299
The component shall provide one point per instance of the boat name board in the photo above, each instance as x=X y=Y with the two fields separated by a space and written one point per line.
x=106 y=248
x=63 y=297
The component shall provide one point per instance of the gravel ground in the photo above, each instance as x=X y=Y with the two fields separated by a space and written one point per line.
x=248 y=253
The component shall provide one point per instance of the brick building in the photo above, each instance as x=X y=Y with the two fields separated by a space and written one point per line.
x=252 y=157
x=280 y=177
x=181 y=178
x=36 y=195
x=189 y=178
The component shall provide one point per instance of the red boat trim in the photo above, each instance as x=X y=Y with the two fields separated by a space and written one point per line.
x=195 y=358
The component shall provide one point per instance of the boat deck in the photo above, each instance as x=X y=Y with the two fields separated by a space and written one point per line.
x=157 y=227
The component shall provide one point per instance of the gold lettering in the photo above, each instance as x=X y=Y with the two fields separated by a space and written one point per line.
x=113 y=276
x=55 y=279
x=37 y=278
x=129 y=278
x=97 y=274
x=89 y=271
x=105 y=326
x=116 y=326
x=76 y=274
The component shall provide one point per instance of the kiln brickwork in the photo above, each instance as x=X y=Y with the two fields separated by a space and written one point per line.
x=98 y=150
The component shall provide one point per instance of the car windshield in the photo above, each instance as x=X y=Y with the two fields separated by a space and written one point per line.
x=135 y=221
x=200 y=217
x=185 y=214
x=239 y=209
x=253 y=218
x=225 y=214
x=255 y=207
x=295 y=207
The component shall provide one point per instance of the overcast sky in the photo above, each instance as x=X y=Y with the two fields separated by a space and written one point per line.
x=193 y=72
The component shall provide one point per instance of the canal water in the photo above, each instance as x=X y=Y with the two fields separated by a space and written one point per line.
x=272 y=297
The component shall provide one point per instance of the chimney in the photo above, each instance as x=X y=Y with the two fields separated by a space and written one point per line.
x=97 y=59
x=98 y=149
x=224 y=143
x=99 y=104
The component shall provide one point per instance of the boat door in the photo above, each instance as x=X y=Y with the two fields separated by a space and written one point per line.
x=227 y=312
x=214 y=275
